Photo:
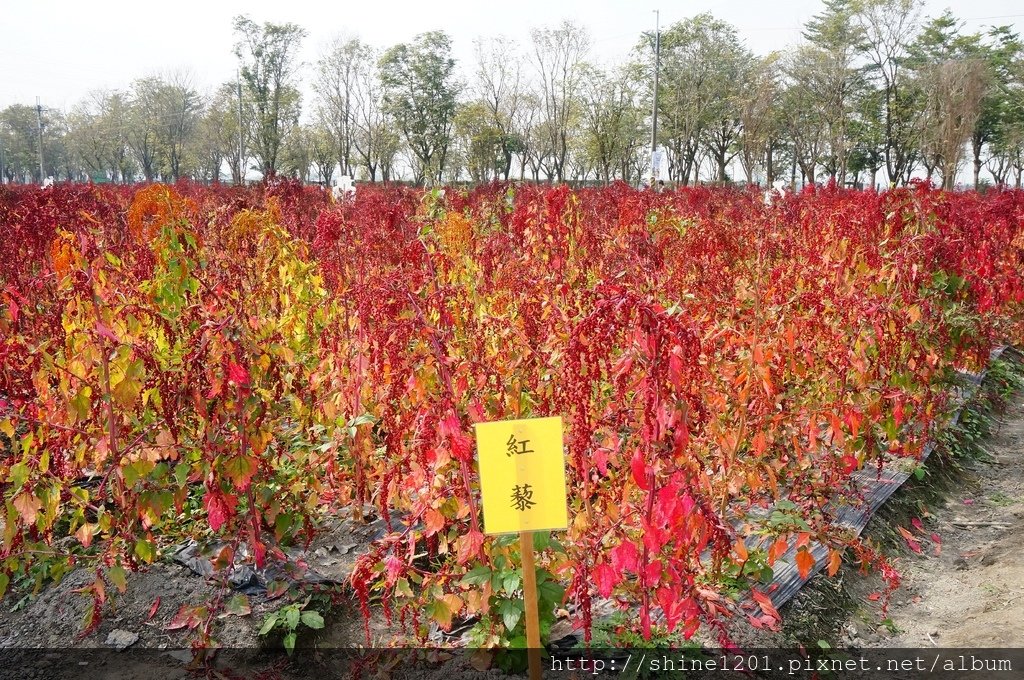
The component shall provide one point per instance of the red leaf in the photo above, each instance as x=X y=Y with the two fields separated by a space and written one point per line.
x=394 y=567
x=104 y=332
x=152 y=610
x=185 y=618
x=916 y=522
x=12 y=309
x=640 y=469
x=434 y=521
x=237 y=374
x=911 y=541
x=875 y=597
x=671 y=603
x=653 y=574
x=219 y=508
x=625 y=557
x=606 y=579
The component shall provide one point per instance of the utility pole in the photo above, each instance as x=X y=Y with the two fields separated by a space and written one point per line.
x=39 y=128
x=241 y=149
x=654 y=115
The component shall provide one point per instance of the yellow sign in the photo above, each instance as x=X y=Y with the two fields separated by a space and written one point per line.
x=522 y=475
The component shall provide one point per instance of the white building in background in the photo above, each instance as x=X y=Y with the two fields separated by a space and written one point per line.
x=343 y=187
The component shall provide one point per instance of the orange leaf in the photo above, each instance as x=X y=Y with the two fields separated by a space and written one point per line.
x=765 y=602
x=434 y=522
x=804 y=562
x=27 y=506
x=835 y=559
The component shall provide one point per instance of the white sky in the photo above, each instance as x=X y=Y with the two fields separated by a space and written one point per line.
x=60 y=50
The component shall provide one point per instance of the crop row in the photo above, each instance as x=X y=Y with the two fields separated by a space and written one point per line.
x=186 y=361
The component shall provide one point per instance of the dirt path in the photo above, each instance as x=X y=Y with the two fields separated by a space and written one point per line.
x=972 y=593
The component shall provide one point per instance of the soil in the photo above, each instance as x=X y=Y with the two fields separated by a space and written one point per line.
x=42 y=634
x=964 y=589
x=969 y=591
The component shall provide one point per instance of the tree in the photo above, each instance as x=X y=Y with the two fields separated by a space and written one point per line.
x=296 y=152
x=888 y=26
x=500 y=88
x=761 y=121
x=1001 y=119
x=178 y=110
x=834 y=40
x=18 y=127
x=322 y=151
x=268 y=54
x=143 y=125
x=98 y=135
x=952 y=80
x=420 y=92
x=697 y=91
x=612 y=123
x=216 y=136
x=735 y=75
x=374 y=138
x=336 y=81
x=480 y=140
x=803 y=115
x=558 y=56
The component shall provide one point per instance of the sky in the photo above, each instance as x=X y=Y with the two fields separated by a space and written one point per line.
x=59 y=51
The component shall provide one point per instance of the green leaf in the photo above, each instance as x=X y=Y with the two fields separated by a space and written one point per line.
x=133 y=472
x=4 y=581
x=268 y=623
x=551 y=592
x=145 y=550
x=289 y=642
x=181 y=472
x=19 y=474
x=119 y=578
x=291 y=618
x=129 y=388
x=506 y=540
x=477 y=576
x=312 y=619
x=511 y=582
x=511 y=612
x=239 y=606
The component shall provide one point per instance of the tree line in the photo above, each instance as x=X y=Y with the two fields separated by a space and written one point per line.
x=874 y=92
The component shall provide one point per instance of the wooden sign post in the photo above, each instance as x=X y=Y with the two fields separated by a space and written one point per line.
x=522 y=488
